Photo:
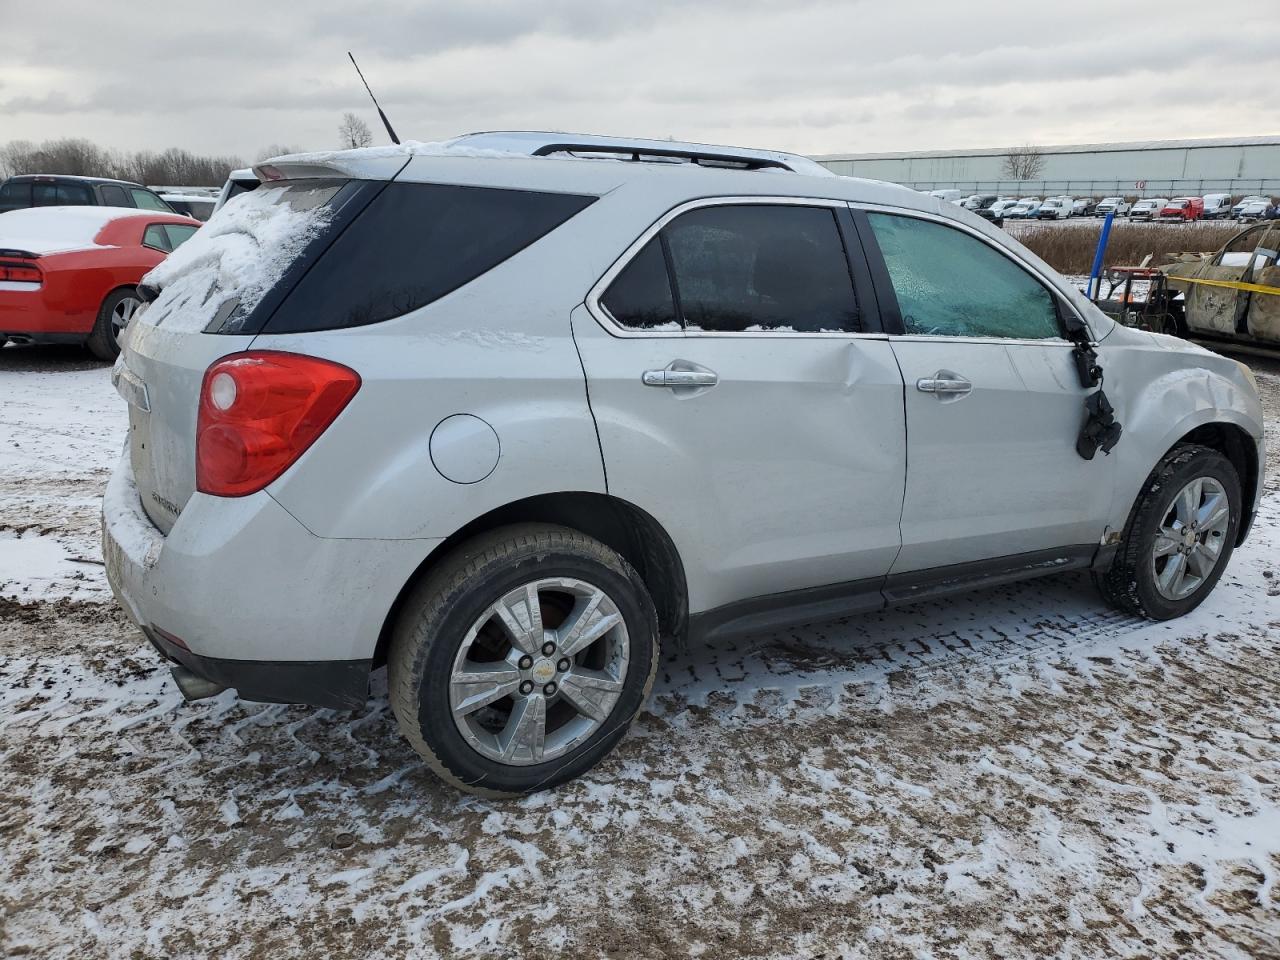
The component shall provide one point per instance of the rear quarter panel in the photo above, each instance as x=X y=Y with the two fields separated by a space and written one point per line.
x=76 y=283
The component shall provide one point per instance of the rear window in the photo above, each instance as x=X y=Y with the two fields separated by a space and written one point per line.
x=231 y=267
x=45 y=194
x=412 y=245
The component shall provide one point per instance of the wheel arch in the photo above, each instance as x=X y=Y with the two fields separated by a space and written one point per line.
x=624 y=527
x=1239 y=448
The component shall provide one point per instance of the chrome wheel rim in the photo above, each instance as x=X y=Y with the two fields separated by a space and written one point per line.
x=121 y=315
x=1189 y=544
x=540 y=671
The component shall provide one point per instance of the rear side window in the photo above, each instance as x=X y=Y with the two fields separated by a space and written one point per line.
x=113 y=196
x=178 y=234
x=413 y=244
x=950 y=284
x=640 y=297
x=740 y=269
x=154 y=236
x=748 y=268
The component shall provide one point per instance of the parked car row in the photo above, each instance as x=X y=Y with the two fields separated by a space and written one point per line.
x=1213 y=206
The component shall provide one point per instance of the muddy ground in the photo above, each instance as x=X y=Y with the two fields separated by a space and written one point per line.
x=1019 y=773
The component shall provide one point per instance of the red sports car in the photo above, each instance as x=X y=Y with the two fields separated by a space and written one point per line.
x=68 y=274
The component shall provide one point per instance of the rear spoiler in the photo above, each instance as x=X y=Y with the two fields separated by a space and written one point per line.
x=24 y=254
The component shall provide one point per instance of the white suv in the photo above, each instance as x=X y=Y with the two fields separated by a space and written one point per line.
x=502 y=413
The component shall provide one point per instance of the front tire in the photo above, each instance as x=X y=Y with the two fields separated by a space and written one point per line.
x=1179 y=537
x=113 y=318
x=519 y=662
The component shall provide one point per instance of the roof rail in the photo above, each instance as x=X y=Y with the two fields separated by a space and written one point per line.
x=638 y=153
x=536 y=143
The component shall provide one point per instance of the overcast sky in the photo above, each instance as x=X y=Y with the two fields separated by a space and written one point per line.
x=812 y=77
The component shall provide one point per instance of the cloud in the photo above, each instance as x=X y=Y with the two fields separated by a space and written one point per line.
x=814 y=76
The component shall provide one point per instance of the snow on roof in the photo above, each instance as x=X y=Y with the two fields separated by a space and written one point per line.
x=47 y=230
x=405 y=149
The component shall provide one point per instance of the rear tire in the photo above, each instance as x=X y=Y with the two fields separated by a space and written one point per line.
x=113 y=317
x=1176 y=543
x=471 y=681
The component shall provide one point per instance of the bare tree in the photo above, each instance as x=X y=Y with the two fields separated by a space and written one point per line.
x=1023 y=163
x=78 y=157
x=276 y=150
x=353 y=132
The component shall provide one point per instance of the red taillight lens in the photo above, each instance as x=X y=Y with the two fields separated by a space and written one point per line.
x=16 y=270
x=259 y=411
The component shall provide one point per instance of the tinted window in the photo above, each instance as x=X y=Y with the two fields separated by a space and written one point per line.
x=113 y=196
x=413 y=244
x=761 y=267
x=640 y=297
x=146 y=200
x=178 y=234
x=951 y=284
x=73 y=194
x=15 y=196
x=154 y=236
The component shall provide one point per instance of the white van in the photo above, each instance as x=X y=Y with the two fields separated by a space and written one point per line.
x=1217 y=206
x=1055 y=208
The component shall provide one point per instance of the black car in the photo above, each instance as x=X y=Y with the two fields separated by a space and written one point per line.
x=57 y=190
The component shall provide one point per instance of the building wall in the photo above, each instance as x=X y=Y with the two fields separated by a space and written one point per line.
x=1249 y=165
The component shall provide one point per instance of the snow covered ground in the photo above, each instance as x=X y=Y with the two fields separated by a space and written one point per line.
x=1020 y=773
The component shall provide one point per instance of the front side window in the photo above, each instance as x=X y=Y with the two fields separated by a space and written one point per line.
x=740 y=269
x=113 y=196
x=1239 y=250
x=950 y=284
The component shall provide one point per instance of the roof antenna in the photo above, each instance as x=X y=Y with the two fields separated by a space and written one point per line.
x=385 y=122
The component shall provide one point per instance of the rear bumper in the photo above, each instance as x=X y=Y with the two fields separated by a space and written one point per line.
x=339 y=684
x=252 y=598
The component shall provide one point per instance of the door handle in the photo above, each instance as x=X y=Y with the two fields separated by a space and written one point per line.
x=679 y=378
x=945 y=385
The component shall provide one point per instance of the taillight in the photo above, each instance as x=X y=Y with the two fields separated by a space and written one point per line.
x=20 y=272
x=259 y=411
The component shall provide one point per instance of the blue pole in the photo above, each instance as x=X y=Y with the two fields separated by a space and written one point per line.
x=1096 y=272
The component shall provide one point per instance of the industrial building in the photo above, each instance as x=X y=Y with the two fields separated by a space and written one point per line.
x=1153 y=168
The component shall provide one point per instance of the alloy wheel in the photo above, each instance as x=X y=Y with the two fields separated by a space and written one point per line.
x=1191 y=537
x=540 y=671
x=121 y=315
